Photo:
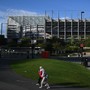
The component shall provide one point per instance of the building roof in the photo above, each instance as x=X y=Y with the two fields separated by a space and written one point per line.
x=29 y=20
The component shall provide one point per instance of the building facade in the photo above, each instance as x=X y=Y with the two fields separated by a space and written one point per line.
x=46 y=27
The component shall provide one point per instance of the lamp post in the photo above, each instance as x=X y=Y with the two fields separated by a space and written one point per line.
x=32 y=48
x=81 y=45
x=81 y=15
x=33 y=42
x=1 y=27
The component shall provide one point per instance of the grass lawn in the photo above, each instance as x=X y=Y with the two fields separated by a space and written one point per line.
x=60 y=72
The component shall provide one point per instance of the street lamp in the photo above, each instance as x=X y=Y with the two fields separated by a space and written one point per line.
x=81 y=15
x=33 y=42
x=81 y=45
x=1 y=27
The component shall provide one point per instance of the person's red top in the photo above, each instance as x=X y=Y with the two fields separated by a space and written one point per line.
x=40 y=74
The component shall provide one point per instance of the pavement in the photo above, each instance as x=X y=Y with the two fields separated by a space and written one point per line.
x=9 y=80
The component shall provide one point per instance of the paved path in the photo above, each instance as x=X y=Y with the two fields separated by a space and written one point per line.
x=9 y=80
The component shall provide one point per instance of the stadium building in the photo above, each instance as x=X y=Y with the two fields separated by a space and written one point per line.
x=47 y=27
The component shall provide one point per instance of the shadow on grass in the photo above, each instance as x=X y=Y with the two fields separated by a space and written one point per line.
x=19 y=61
x=68 y=85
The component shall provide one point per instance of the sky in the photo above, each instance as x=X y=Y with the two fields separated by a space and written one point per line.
x=63 y=8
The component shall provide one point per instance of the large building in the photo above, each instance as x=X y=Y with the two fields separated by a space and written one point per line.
x=46 y=27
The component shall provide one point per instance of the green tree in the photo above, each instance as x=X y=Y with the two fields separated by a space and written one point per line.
x=12 y=43
x=72 y=40
x=25 y=42
x=56 y=47
x=87 y=42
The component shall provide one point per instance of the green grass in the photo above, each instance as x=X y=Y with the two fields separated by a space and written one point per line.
x=60 y=72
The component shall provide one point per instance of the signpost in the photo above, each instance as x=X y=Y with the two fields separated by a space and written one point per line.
x=81 y=51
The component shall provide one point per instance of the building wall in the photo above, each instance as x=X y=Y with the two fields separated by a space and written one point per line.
x=67 y=29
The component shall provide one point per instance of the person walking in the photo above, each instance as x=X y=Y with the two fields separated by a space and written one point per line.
x=40 y=78
x=44 y=77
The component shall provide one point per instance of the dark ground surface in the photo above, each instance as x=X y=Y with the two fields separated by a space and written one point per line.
x=9 y=80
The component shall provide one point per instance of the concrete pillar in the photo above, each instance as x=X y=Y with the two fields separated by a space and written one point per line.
x=85 y=29
x=51 y=27
x=78 y=29
x=65 y=30
x=58 y=28
x=71 y=28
